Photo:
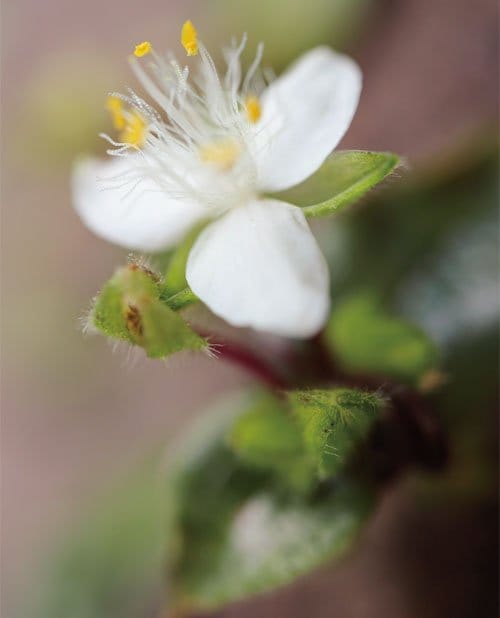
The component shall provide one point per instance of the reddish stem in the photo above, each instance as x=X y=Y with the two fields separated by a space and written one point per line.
x=248 y=360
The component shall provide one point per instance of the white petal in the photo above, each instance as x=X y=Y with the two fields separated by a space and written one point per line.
x=259 y=266
x=142 y=217
x=305 y=113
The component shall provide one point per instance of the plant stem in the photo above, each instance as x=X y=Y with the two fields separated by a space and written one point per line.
x=182 y=299
x=227 y=350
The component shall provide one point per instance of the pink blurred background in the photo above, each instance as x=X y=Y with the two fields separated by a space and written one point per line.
x=75 y=415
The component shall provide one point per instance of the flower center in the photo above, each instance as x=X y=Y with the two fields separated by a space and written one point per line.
x=222 y=153
x=200 y=142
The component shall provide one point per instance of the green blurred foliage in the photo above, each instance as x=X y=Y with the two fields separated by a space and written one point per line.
x=366 y=340
x=268 y=438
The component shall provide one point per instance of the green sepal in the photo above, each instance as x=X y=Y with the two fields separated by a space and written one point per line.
x=165 y=332
x=334 y=423
x=342 y=179
x=364 y=339
x=129 y=308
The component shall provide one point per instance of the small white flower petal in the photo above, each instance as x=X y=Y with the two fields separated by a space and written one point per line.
x=305 y=114
x=260 y=266
x=142 y=217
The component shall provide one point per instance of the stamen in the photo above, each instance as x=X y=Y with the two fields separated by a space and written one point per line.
x=142 y=49
x=134 y=132
x=189 y=38
x=115 y=106
x=253 y=109
x=223 y=154
x=252 y=71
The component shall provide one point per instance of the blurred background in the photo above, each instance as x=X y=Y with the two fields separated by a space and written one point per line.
x=79 y=419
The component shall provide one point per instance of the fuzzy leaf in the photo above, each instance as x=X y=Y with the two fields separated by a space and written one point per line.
x=267 y=437
x=366 y=340
x=234 y=532
x=334 y=422
x=129 y=308
x=342 y=179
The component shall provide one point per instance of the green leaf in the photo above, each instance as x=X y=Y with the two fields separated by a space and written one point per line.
x=234 y=532
x=267 y=437
x=342 y=179
x=129 y=308
x=334 y=423
x=366 y=340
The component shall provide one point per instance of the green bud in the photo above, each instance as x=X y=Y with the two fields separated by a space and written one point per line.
x=129 y=308
x=334 y=422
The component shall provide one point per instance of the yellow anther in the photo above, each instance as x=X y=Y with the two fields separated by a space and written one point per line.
x=142 y=49
x=223 y=154
x=253 y=108
x=115 y=107
x=134 y=132
x=189 y=38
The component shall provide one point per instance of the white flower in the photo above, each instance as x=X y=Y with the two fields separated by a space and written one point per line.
x=221 y=144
